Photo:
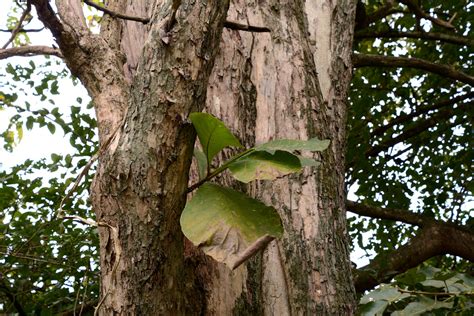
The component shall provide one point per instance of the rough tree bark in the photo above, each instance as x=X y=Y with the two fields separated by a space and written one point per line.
x=145 y=79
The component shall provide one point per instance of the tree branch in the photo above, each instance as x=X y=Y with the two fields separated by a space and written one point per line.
x=448 y=38
x=363 y=60
x=18 y=26
x=22 y=30
x=29 y=51
x=387 y=213
x=420 y=111
x=227 y=24
x=386 y=10
x=422 y=14
x=116 y=14
x=434 y=239
x=12 y=297
x=416 y=129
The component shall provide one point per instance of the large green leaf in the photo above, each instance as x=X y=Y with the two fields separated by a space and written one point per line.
x=375 y=308
x=227 y=224
x=290 y=145
x=386 y=293
x=213 y=134
x=424 y=305
x=262 y=165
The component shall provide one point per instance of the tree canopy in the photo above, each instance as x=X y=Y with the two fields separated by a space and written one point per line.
x=409 y=163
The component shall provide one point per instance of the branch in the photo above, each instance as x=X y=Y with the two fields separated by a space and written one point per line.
x=422 y=14
x=12 y=297
x=18 y=26
x=448 y=38
x=26 y=51
x=116 y=14
x=386 y=10
x=22 y=30
x=416 y=129
x=404 y=216
x=434 y=239
x=363 y=60
x=420 y=111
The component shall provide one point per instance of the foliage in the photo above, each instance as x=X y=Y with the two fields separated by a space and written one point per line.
x=410 y=131
x=226 y=224
x=419 y=291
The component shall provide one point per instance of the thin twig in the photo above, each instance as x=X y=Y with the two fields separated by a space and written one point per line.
x=116 y=14
x=23 y=30
x=18 y=26
x=434 y=293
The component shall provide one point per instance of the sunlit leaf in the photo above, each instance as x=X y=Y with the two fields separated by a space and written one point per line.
x=262 y=165
x=213 y=134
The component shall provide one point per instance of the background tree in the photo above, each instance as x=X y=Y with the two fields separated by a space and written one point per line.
x=408 y=158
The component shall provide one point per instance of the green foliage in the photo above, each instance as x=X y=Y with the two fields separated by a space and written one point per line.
x=224 y=223
x=421 y=290
x=47 y=265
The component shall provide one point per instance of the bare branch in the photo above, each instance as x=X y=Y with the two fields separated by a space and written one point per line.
x=22 y=30
x=422 y=14
x=420 y=111
x=27 y=51
x=363 y=60
x=116 y=14
x=434 y=239
x=448 y=38
x=18 y=26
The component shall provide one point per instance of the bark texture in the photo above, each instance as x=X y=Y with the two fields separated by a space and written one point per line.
x=290 y=83
x=140 y=188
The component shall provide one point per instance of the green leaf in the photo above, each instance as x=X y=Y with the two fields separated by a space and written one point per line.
x=385 y=292
x=264 y=166
x=290 y=145
x=373 y=308
x=213 y=134
x=201 y=163
x=424 y=305
x=308 y=162
x=29 y=122
x=56 y=158
x=19 y=131
x=226 y=224
x=51 y=128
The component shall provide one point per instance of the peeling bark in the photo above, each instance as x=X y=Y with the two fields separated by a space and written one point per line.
x=290 y=83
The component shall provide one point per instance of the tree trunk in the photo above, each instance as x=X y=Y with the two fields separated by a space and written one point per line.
x=140 y=187
x=291 y=82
